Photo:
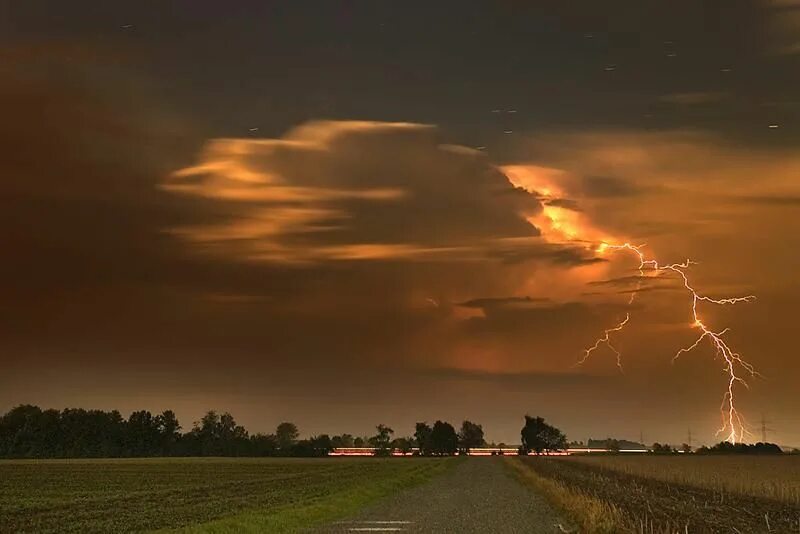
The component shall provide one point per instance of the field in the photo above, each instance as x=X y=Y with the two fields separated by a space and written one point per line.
x=191 y=494
x=616 y=493
x=774 y=477
x=608 y=493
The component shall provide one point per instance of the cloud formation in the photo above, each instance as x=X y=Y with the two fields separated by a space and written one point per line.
x=331 y=191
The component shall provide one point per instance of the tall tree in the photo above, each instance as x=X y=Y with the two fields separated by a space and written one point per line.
x=470 y=436
x=422 y=434
x=142 y=434
x=169 y=432
x=443 y=439
x=382 y=441
x=287 y=435
x=538 y=436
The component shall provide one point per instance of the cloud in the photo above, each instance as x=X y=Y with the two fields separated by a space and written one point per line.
x=522 y=381
x=348 y=191
x=788 y=201
x=492 y=302
x=608 y=186
x=566 y=203
x=622 y=280
x=694 y=98
x=783 y=25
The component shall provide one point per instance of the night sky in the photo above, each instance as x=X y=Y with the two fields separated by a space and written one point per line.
x=349 y=213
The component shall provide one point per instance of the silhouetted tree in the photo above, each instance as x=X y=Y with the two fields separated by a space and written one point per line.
x=320 y=445
x=726 y=447
x=470 y=436
x=538 y=436
x=217 y=435
x=382 y=441
x=169 y=432
x=403 y=445
x=443 y=439
x=422 y=435
x=263 y=445
x=658 y=448
x=343 y=441
x=142 y=436
x=287 y=435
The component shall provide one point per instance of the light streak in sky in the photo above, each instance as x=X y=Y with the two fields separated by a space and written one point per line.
x=560 y=225
x=604 y=339
x=732 y=421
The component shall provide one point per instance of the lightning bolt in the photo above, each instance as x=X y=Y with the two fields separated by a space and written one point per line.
x=733 y=423
x=606 y=340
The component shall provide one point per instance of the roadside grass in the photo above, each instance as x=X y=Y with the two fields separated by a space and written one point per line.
x=592 y=515
x=197 y=494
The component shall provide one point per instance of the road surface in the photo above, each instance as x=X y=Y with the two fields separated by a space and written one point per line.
x=478 y=495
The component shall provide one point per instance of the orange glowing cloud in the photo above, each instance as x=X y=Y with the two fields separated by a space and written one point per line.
x=353 y=191
x=560 y=219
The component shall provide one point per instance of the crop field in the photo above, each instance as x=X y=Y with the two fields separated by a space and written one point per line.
x=208 y=494
x=618 y=493
x=775 y=477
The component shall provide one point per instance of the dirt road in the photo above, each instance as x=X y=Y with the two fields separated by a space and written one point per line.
x=478 y=495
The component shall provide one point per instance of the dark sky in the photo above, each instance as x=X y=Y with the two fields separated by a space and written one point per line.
x=346 y=213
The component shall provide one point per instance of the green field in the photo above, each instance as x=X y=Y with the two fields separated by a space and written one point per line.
x=197 y=494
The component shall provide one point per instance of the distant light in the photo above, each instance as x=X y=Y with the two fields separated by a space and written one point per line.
x=254 y=129
x=773 y=126
x=496 y=111
x=610 y=67
x=512 y=111
x=725 y=69
x=127 y=26
x=508 y=131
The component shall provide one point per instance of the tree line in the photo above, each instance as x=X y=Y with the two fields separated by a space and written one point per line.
x=726 y=447
x=30 y=432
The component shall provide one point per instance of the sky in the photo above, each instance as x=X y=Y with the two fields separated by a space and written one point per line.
x=351 y=213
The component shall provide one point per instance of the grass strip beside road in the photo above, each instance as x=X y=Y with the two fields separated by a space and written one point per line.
x=592 y=515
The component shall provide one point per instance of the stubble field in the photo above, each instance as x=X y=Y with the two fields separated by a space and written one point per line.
x=692 y=493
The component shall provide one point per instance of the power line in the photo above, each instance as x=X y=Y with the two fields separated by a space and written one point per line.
x=765 y=429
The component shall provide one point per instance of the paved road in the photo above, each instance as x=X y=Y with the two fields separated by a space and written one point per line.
x=479 y=495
